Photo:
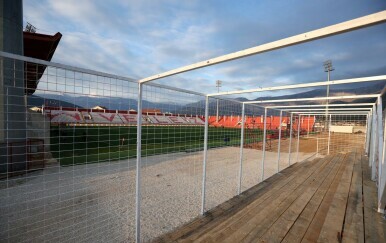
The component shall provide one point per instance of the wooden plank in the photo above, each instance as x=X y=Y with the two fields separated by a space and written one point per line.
x=232 y=206
x=297 y=231
x=303 y=193
x=236 y=224
x=299 y=215
x=317 y=222
x=261 y=196
x=353 y=230
x=332 y=227
x=374 y=225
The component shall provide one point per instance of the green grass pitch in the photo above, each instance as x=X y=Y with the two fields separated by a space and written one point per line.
x=73 y=145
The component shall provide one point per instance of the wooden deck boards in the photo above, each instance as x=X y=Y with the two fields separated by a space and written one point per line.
x=324 y=200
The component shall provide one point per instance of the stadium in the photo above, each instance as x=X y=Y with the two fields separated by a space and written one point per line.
x=89 y=156
x=91 y=125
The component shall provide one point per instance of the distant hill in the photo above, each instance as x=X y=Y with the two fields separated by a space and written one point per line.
x=111 y=103
x=228 y=108
x=35 y=100
x=196 y=108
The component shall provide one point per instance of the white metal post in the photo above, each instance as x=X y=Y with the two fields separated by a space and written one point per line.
x=368 y=135
x=308 y=128
x=264 y=141
x=371 y=139
x=380 y=137
x=297 y=145
x=138 y=168
x=205 y=154
x=290 y=141
x=382 y=175
x=374 y=145
x=329 y=135
x=278 y=146
x=241 y=147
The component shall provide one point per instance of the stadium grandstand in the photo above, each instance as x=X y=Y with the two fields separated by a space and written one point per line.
x=94 y=117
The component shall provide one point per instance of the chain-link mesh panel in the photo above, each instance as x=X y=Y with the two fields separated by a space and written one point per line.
x=172 y=159
x=223 y=151
x=66 y=155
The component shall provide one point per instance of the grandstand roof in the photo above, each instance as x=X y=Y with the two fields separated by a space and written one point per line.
x=151 y=111
x=38 y=46
x=99 y=107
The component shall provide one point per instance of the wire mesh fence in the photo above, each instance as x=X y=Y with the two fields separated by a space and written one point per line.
x=252 y=149
x=65 y=173
x=276 y=150
x=69 y=151
x=172 y=155
x=337 y=133
x=223 y=154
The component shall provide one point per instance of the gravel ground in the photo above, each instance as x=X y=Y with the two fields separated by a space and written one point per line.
x=96 y=202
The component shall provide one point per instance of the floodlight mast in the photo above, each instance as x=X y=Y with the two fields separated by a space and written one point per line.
x=328 y=68
x=218 y=85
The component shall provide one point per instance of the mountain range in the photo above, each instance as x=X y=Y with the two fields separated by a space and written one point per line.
x=226 y=107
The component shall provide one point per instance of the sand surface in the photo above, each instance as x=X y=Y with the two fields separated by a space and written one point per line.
x=96 y=202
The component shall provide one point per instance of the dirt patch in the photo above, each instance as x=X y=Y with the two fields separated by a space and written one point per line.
x=339 y=143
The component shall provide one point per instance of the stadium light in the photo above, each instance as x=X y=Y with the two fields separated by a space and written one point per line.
x=328 y=68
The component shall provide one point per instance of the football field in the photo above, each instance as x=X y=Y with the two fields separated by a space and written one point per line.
x=72 y=145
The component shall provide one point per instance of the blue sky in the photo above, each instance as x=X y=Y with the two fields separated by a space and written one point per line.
x=139 y=38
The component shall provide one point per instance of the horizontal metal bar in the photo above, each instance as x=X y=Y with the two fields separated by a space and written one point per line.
x=304 y=85
x=343 y=27
x=178 y=89
x=332 y=113
x=333 y=109
x=322 y=105
x=317 y=98
x=63 y=66
x=88 y=71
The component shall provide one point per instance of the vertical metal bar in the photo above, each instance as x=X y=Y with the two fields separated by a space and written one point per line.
x=138 y=169
x=278 y=146
x=329 y=135
x=380 y=138
x=381 y=186
x=308 y=128
x=374 y=144
x=369 y=134
x=241 y=147
x=371 y=140
x=366 y=137
x=264 y=141
x=217 y=110
x=328 y=94
x=205 y=154
x=297 y=145
x=290 y=141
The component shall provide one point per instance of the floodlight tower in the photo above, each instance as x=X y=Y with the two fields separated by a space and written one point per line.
x=327 y=68
x=218 y=85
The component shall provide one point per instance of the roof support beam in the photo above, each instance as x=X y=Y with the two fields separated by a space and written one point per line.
x=331 y=30
x=317 y=98
x=305 y=85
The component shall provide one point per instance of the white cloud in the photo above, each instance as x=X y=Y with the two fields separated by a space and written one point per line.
x=139 y=38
